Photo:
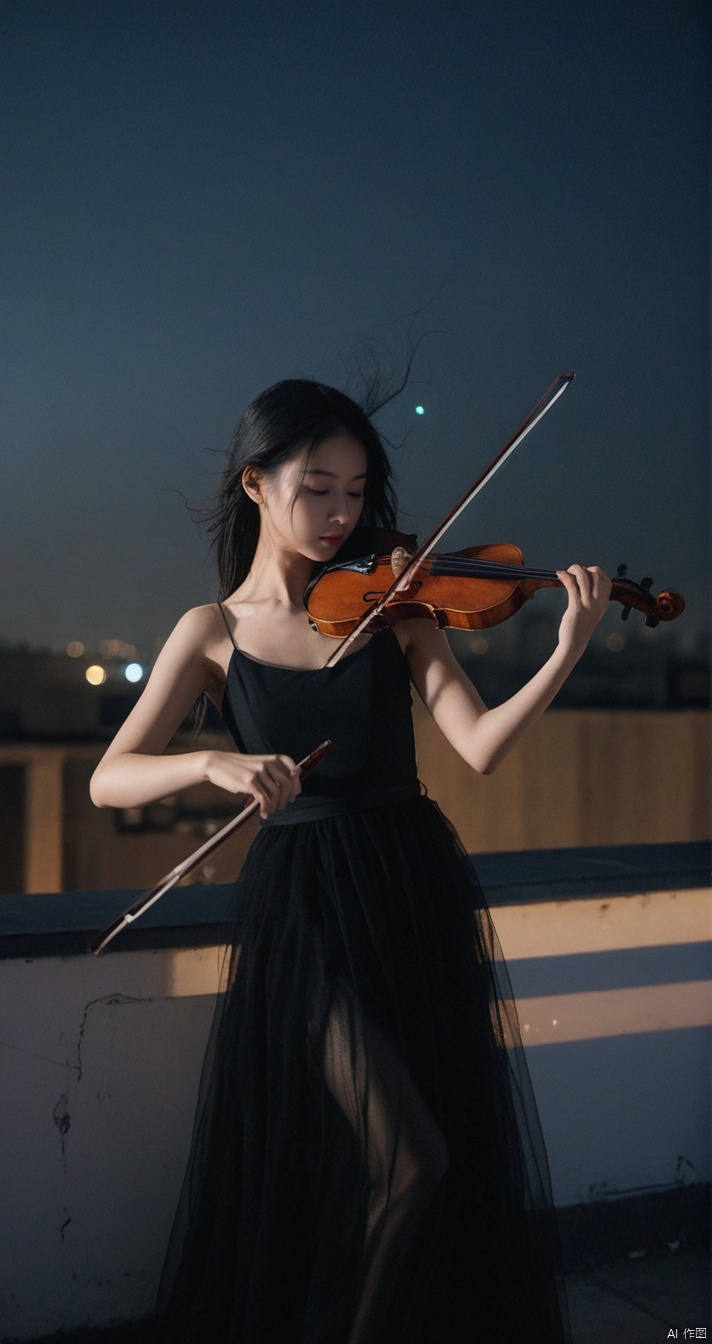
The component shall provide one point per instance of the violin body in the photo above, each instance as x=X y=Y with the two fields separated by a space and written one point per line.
x=471 y=589
x=343 y=593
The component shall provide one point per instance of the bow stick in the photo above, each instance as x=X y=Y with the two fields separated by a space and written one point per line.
x=100 y=941
x=543 y=405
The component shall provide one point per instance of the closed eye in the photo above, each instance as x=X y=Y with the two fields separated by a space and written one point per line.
x=352 y=494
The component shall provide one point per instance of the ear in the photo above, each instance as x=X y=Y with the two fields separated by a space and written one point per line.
x=253 y=483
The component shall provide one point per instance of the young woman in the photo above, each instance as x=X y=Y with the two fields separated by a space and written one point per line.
x=367 y=1166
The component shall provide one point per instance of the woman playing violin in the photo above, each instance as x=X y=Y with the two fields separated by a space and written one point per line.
x=367 y=1165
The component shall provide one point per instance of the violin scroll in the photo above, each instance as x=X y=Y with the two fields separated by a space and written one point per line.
x=667 y=606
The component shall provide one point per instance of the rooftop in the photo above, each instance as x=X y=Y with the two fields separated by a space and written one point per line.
x=630 y=1300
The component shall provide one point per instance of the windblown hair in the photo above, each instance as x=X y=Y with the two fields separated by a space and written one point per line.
x=293 y=414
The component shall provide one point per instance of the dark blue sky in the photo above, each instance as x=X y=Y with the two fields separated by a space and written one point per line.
x=201 y=199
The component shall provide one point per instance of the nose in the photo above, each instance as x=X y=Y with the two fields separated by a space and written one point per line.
x=339 y=511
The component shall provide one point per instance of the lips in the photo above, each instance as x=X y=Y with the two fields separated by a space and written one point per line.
x=333 y=538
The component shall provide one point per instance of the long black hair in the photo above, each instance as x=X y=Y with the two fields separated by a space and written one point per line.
x=293 y=414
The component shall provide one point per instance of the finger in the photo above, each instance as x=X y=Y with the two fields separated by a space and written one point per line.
x=275 y=783
x=274 y=786
x=267 y=794
x=263 y=798
x=290 y=779
x=568 y=581
x=602 y=584
x=579 y=572
x=599 y=585
x=284 y=792
x=284 y=785
x=293 y=772
x=584 y=582
x=595 y=583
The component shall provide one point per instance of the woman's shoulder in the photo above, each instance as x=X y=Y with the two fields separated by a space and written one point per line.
x=200 y=621
x=199 y=642
x=198 y=638
x=197 y=629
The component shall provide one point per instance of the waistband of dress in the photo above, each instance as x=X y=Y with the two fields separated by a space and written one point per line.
x=318 y=808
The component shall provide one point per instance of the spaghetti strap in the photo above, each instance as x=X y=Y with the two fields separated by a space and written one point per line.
x=221 y=609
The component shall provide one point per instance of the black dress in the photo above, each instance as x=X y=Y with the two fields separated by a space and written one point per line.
x=367 y=1165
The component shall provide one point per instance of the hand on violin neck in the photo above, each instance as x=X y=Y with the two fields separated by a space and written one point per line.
x=588 y=589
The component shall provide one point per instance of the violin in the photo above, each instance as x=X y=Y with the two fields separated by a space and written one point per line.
x=470 y=589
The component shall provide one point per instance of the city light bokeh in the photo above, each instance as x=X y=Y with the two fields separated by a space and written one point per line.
x=479 y=645
x=116 y=648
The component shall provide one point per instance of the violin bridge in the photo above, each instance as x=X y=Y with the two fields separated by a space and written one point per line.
x=399 y=559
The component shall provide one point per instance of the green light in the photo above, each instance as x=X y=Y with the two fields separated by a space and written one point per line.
x=420 y=410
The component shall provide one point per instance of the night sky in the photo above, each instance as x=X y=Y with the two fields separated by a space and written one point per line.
x=200 y=199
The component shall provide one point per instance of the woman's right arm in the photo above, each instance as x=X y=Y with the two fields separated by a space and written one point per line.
x=133 y=770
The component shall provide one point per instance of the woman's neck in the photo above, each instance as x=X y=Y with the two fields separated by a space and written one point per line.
x=277 y=574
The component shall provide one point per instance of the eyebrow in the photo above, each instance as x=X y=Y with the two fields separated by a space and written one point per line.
x=319 y=471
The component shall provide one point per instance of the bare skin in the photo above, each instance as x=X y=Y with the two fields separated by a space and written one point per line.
x=304 y=518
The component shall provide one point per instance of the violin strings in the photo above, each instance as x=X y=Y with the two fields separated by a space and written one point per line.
x=462 y=566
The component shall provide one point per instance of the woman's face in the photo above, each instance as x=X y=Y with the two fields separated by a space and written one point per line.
x=314 y=501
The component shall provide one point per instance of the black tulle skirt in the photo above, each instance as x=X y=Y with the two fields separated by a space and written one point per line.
x=367 y=1165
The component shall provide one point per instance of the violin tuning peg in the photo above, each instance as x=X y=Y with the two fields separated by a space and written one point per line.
x=646 y=583
x=626 y=613
x=652 y=621
x=622 y=571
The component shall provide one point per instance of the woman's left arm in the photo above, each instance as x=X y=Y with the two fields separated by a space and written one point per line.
x=482 y=736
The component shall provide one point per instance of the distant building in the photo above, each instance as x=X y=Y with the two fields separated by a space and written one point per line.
x=55 y=724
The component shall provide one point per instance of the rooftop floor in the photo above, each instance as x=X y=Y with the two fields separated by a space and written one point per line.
x=637 y=1301
x=627 y=1301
